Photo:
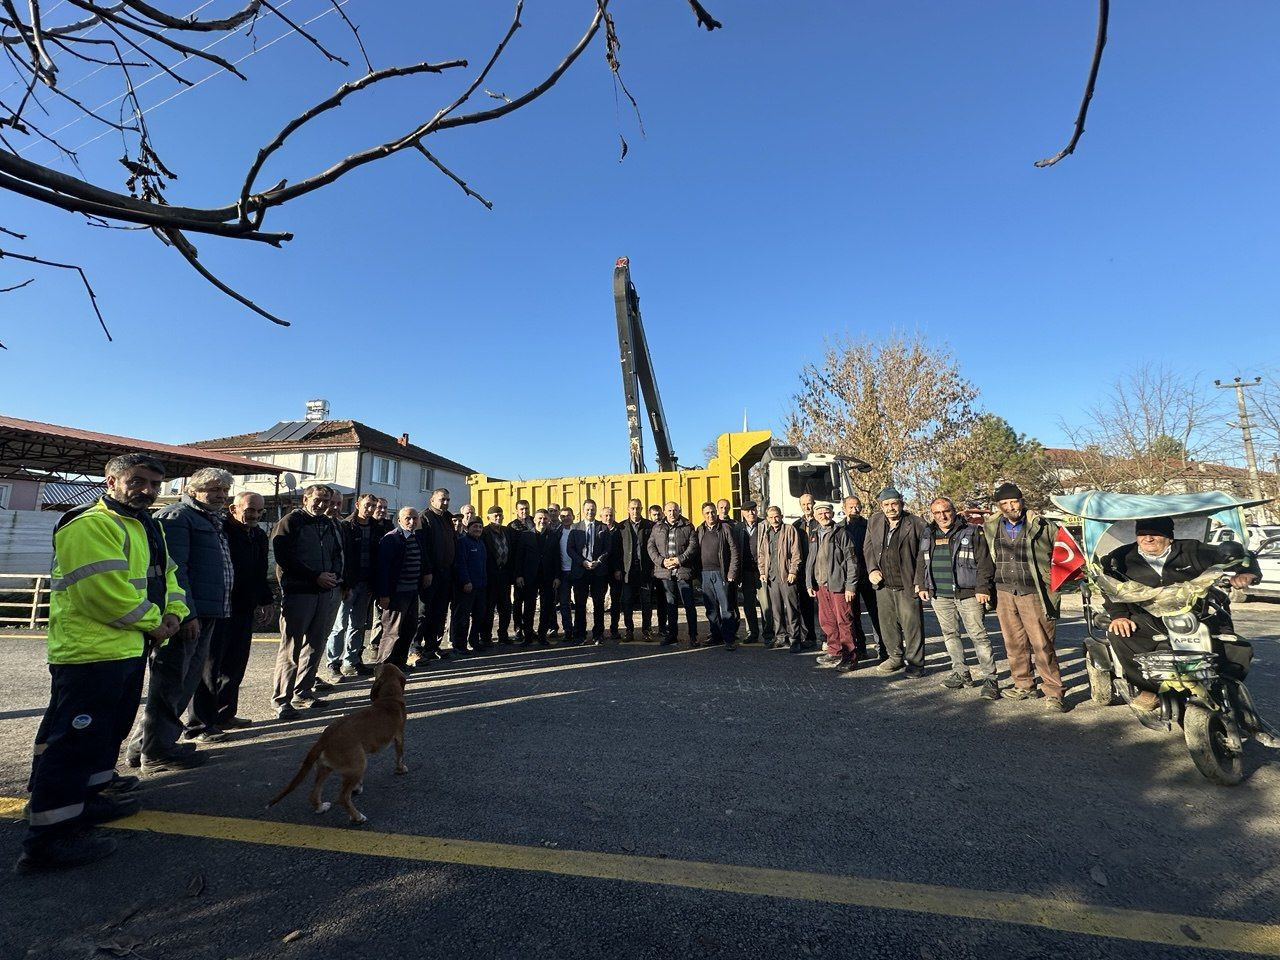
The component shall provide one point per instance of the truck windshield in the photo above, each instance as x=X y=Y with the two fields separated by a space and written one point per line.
x=819 y=480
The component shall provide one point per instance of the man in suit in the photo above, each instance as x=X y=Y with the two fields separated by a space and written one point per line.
x=523 y=523
x=569 y=582
x=864 y=599
x=1156 y=559
x=595 y=574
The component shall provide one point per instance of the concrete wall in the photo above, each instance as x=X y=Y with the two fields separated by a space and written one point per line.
x=21 y=494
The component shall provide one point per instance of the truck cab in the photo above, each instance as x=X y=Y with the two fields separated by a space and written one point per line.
x=786 y=474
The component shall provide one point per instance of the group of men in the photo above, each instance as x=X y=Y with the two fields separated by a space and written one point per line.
x=182 y=590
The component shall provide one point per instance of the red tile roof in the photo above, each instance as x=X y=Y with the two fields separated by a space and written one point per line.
x=338 y=433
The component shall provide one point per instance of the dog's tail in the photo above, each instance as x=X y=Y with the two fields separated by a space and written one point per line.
x=308 y=762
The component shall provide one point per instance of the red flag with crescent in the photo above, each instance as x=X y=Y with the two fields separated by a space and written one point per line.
x=1068 y=561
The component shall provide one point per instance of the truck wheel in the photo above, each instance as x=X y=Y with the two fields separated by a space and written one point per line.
x=1101 y=687
x=1210 y=748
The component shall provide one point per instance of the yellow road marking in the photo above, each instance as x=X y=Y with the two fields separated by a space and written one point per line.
x=1048 y=912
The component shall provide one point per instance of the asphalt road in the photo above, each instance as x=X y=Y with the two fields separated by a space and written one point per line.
x=636 y=801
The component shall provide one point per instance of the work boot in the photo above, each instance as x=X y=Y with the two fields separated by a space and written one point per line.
x=957 y=680
x=73 y=849
x=119 y=786
x=103 y=809
x=827 y=660
x=888 y=666
x=990 y=689
x=1018 y=693
x=848 y=663
x=177 y=761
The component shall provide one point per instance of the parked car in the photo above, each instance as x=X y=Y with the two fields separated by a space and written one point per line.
x=1257 y=535
x=1268 y=554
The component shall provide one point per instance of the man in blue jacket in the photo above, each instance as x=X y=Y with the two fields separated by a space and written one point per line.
x=401 y=569
x=955 y=573
x=471 y=575
x=193 y=528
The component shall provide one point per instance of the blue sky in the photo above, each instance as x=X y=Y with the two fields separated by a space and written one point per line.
x=843 y=167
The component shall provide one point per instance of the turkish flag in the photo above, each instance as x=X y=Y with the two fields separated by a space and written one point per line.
x=1068 y=561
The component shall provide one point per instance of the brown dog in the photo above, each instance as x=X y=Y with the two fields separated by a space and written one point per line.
x=344 y=745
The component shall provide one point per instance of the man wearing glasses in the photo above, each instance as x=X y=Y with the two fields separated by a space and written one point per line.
x=956 y=574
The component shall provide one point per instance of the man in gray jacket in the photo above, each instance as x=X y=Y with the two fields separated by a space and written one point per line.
x=891 y=550
x=831 y=576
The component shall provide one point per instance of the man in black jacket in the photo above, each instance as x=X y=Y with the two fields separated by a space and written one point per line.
x=400 y=571
x=864 y=598
x=537 y=561
x=633 y=569
x=442 y=540
x=755 y=596
x=523 y=523
x=500 y=553
x=218 y=696
x=308 y=551
x=891 y=549
x=596 y=545
x=360 y=537
x=1156 y=559
x=719 y=560
x=807 y=527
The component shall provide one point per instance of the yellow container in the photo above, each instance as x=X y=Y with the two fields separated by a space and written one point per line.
x=725 y=476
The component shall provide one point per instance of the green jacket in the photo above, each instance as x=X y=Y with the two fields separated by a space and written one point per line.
x=1042 y=534
x=98 y=606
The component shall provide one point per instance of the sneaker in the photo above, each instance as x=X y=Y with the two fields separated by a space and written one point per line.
x=350 y=670
x=119 y=786
x=236 y=723
x=914 y=672
x=956 y=680
x=308 y=703
x=888 y=666
x=69 y=850
x=666 y=641
x=781 y=645
x=1057 y=704
x=1017 y=693
x=207 y=735
x=287 y=712
x=990 y=689
x=102 y=809
x=827 y=660
x=177 y=761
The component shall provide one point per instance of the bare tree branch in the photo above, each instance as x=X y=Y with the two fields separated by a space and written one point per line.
x=452 y=176
x=1104 y=12
x=355 y=31
x=184 y=247
x=704 y=19
x=16 y=286
x=93 y=298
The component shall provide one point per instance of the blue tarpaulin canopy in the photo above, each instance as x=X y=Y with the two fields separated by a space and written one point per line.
x=1110 y=513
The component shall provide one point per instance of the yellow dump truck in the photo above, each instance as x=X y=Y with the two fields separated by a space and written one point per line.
x=785 y=475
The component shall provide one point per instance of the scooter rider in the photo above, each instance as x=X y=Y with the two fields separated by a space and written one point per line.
x=1156 y=559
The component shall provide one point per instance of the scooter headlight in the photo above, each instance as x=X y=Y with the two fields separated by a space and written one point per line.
x=1181 y=623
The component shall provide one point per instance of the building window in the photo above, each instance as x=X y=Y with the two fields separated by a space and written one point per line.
x=427 y=483
x=5 y=489
x=386 y=471
x=262 y=458
x=321 y=466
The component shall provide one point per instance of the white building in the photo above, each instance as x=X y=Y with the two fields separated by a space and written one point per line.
x=348 y=456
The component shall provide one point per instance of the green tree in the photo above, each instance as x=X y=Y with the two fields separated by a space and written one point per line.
x=1165 y=447
x=990 y=454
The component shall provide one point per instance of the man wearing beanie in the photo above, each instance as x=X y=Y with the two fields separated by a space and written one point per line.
x=891 y=550
x=1156 y=559
x=1021 y=544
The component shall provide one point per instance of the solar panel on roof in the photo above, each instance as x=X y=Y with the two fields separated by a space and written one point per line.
x=275 y=432
x=300 y=430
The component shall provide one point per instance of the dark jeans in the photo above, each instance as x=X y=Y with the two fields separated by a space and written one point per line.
x=615 y=604
x=572 y=597
x=680 y=594
x=902 y=626
x=91 y=710
x=218 y=696
x=467 y=606
x=717 y=598
x=435 y=610
x=661 y=608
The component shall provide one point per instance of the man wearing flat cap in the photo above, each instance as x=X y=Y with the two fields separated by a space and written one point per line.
x=891 y=550
x=1156 y=559
x=1021 y=543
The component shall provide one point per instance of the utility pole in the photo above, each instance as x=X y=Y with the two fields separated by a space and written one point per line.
x=1250 y=459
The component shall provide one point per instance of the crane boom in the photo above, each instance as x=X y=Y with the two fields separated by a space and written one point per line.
x=637 y=374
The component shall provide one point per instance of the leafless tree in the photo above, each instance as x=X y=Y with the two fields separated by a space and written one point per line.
x=128 y=39
x=1147 y=432
x=895 y=404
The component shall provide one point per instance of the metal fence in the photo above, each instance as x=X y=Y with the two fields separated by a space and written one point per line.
x=24 y=600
